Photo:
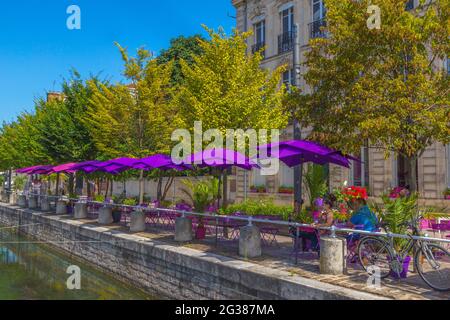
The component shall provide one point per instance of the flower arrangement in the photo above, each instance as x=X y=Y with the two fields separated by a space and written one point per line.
x=286 y=190
x=353 y=193
x=399 y=192
x=447 y=194
x=258 y=189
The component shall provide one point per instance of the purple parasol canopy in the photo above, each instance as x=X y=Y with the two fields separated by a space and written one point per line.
x=159 y=161
x=27 y=169
x=38 y=170
x=296 y=152
x=118 y=165
x=88 y=166
x=64 y=168
x=220 y=158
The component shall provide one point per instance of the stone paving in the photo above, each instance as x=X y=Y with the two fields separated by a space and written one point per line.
x=281 y=257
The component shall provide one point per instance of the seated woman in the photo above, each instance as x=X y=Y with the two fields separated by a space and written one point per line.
x=326 y=220
x=363 y=217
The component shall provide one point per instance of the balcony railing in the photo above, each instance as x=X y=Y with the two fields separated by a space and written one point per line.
x=410 y=5
x=257 y=47
x=316 y=29
x=285 y=42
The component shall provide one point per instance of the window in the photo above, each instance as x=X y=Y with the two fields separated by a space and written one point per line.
x=286 y=38
x=260 y=36
x=260 y=32
x=289 y=78
x=287 y=20
x=360 y=169
x=319 y=10
x=410 y=5
x=318 y=19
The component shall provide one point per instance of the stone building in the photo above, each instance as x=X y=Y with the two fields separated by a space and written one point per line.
x=272 y=22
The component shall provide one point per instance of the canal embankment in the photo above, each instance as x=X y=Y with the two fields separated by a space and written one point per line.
x=168 y=270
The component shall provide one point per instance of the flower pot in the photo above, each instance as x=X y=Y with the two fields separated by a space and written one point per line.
x=117 y=216
x=200 y=233
x=404 y=273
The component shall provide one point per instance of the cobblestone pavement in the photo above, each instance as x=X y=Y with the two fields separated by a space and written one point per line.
x=281 y=257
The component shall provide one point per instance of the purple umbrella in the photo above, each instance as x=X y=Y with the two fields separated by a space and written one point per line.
x=39 y=170
x=64 y=168
x=160 y=161
x=220 y=158
x=88 y=166
x=296 y=152
x=27 y=169
x=118 y=165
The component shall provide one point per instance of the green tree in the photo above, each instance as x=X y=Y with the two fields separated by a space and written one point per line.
x=134 y=120
x=226 y=88
x=385 y=85
x=181 y=48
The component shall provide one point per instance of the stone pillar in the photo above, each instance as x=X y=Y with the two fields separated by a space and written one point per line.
x=61 y=207
x=333 y=252
x=80 y=211
x=22 y=201
x=105 y=216
x=183 y=230
x=32 y=202
x=137 y=221
x=250 y=242
x=45 y=204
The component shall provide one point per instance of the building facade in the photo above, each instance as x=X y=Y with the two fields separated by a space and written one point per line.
x=272 y=23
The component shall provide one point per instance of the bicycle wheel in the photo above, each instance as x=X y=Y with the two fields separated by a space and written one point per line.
x=375 y=252
x=433 y=265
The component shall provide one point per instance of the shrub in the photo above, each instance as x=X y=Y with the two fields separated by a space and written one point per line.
x=259 y=208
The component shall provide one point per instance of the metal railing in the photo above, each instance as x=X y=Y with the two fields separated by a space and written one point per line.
x=316 y=29
x=251 y=220
x=285 y=42
x=258 y=47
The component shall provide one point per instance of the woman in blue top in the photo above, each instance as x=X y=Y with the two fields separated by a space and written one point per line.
x=363 y=219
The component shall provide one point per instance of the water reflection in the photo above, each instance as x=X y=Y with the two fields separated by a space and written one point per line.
x=35 y=271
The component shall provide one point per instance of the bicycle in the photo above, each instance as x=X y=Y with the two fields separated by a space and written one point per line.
x=431 y=261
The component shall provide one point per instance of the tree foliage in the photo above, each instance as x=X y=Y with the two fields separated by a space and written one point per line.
x=386 y=86
x=226 y=88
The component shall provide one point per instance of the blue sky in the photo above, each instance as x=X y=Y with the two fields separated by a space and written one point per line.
x=37 y=50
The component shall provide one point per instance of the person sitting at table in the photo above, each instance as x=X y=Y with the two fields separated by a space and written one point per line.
x=363 y=218
x=326 y=220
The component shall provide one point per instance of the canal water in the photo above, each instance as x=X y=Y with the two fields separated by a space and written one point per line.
x=30 y=271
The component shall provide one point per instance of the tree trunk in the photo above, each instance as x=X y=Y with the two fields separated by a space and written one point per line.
x=159 y=192
x=71 y=184
x=141 y=187
x=79 y=182
x=225 y=189
x=169 y=184
x=57 y=184
x=107 y=188
x=411 y=177
x=88 y=187
x=111 y=189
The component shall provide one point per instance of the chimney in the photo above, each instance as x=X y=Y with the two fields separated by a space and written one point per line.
x=54 y=96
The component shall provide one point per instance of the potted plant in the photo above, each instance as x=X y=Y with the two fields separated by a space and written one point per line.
x=286 y=190
x=447 y=194
x=253 y=189
x=262 y=189
x=201 y=194
x=396 y=214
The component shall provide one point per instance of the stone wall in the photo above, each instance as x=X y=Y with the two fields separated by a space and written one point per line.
x=163 y=269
